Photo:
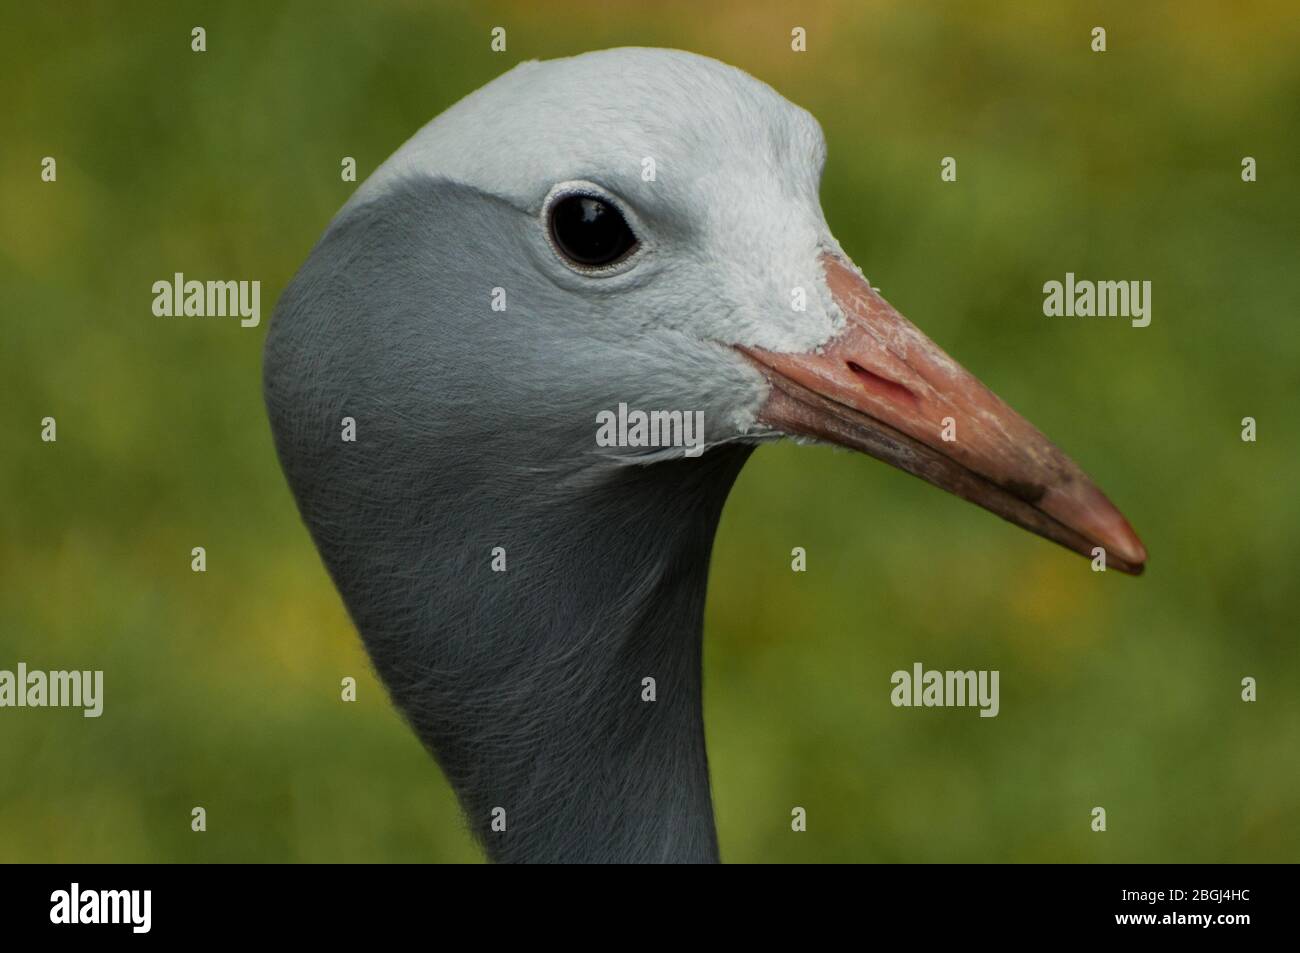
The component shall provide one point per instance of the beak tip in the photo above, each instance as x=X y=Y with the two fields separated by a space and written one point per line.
x=1084 y=508
x=1126 y=545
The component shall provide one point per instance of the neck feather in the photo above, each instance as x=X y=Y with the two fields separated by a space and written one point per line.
x=530 y=686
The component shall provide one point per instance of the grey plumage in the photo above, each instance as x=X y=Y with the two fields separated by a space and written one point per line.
x=475 y=430
x=526 y=685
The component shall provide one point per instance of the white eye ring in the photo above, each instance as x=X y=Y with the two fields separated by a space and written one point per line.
x=613 y=240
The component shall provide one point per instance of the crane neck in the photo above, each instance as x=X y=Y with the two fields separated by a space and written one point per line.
x=550 y=659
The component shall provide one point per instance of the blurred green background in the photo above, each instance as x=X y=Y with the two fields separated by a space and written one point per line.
x=222 y=689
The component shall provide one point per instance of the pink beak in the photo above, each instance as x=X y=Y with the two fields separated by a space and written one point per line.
x=884 y=388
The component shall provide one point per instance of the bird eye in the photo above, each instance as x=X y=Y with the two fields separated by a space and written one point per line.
x=590 y=232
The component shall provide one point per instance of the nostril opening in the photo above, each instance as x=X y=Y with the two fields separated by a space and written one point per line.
x=882 y=386
x=1029 y=492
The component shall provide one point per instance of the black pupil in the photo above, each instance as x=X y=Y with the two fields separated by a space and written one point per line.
x=589 y=231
